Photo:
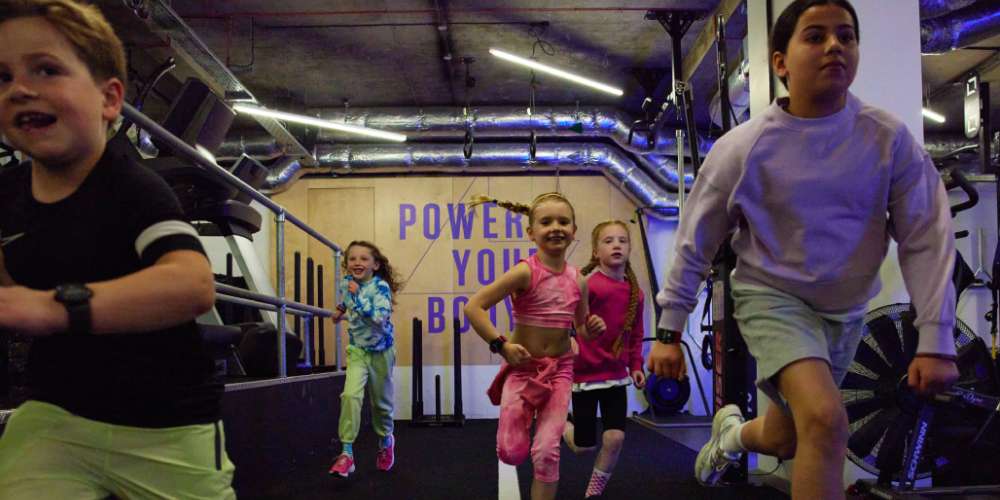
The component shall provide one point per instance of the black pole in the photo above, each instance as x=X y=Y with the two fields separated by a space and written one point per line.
x=682 y=91
x=311 y=300
x=459 y=416
x=985 y=156
x=722 y=57
x=322 y=322
x=654 y=286
x=437 y=398
x=416 y=397
x=297 y=291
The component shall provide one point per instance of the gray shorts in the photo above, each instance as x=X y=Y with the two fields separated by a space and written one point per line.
x=780 y=329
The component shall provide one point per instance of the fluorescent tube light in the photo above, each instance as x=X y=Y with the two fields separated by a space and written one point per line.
x=537 y=66
x=317 y=122
x=932 y=116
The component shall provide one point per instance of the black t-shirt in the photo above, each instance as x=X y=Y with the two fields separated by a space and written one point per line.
x=120 y=220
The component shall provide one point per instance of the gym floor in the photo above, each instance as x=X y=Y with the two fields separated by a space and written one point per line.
x=445 y=463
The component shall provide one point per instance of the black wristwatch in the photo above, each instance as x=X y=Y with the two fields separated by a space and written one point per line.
x=496 y=345
x=76 y=298
x=665 y=336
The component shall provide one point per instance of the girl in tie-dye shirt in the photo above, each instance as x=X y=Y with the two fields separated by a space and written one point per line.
x=367 y=291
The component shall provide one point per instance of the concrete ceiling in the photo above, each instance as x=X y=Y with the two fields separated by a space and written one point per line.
x=308 y=54
x=944 y=76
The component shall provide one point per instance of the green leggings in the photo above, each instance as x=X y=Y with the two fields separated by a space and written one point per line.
x=373 y=369
x=47 y=452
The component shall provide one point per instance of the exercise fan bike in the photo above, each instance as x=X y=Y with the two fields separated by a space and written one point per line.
x=901 y=438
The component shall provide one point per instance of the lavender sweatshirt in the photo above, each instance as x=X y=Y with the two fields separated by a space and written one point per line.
x=811 y=204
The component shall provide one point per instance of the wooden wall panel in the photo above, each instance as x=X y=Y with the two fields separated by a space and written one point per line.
x=443 y=252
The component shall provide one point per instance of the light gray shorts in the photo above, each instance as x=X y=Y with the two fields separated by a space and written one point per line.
x=780 y=329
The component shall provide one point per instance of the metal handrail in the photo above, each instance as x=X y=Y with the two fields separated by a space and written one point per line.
x=183 y=148
x=259 y=305
x=298 y=308
x=280 y=216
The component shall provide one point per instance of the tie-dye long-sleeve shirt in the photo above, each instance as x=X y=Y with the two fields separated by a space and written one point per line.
x=368 y=314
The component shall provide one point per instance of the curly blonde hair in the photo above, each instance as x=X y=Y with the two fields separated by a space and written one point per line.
x=384 y=271
x=632 y=311
x=521 y=208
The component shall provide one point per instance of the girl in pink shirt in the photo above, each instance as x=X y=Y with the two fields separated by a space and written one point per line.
x=550 y=300
x=607 y=364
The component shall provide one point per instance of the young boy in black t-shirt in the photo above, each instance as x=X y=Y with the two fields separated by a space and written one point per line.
x=98 y=266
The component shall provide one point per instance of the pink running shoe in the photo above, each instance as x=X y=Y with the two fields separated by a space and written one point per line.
x=344 y=465
x=386 y=456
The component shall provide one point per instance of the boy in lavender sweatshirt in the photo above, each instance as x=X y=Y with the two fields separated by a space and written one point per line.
x=811 y=190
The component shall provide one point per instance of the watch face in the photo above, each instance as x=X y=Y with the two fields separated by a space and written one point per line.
x=73 y=293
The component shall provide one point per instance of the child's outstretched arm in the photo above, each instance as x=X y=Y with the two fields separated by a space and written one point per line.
x=588 y=326
x=704 y=226
x=513 y=281
x=920 y=222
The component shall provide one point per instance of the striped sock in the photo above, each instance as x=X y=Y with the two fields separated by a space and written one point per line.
x=598 y=480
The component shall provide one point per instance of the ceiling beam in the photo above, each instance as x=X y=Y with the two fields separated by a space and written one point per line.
x=706 y=39
x=446 y=46
x=988 y=65
x=193 y=51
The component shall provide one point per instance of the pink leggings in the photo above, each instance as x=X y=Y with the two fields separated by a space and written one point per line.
x=539 y=388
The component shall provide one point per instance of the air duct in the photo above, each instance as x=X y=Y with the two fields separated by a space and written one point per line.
x=261 y=147
x=960 y=28
x=935 y=8
x=493 y=122
x=423 y=158
x=506 y=122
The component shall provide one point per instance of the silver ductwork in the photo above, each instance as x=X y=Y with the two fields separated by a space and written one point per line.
x=935 y=8
x=960 y=28
x=261 y=147
x=738 y=83
x=503 y=121
x=492 y=122
x=942 y=145
x=489 y=158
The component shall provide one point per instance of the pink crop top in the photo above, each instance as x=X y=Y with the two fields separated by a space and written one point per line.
x=551 y=299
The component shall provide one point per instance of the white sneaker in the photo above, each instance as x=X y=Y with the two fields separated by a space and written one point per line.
x=712 y=461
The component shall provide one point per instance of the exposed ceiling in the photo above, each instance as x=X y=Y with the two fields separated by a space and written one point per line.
x=310 y=54
x=944 y=77
x=307 y=54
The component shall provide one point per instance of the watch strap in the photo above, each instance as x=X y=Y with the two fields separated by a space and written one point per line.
x=665 y=336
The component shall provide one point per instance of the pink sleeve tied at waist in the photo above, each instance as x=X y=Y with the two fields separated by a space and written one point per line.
x=539 y=386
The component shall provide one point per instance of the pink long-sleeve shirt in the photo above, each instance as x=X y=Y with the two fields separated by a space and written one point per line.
x=608 y=298
x=811 y=205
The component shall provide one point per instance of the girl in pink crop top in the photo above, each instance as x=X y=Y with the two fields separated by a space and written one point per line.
x=550 y=299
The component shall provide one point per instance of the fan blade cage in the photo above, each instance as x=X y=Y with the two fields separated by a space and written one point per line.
x=871 y=392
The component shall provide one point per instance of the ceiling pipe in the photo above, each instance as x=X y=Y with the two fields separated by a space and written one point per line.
x=261 y=147
x=662 y=168
x=501 y=121
x=506 y=122
x=935 y=8
x=939 y=145
x=960 y=28
x=426 y=158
